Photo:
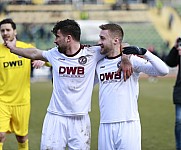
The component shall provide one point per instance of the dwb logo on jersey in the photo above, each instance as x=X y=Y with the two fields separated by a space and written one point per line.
x=12 y=64
x=110 y=77
x=75 y=72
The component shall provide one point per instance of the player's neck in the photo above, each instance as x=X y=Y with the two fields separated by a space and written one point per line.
x=114 y=53
x=73 y=48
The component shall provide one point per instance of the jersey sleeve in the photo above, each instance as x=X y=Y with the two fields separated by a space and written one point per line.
x=151 y=65
x=48 y=54
x=44 y=54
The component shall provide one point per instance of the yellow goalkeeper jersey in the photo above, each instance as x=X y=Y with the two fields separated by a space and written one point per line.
x=14 y=76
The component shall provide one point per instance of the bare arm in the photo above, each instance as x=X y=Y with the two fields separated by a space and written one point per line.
x=126 y=67
x=31 y=53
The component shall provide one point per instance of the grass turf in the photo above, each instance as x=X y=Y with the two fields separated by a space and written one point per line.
x=155 y=107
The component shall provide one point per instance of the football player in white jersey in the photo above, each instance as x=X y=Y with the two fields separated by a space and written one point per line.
x=67 y=121
x=120 y=127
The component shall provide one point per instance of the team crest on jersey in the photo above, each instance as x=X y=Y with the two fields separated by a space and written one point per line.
x=119 y=64
x=82 y=60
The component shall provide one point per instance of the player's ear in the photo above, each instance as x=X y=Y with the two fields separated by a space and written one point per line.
x=116 y=40
x=69 y=37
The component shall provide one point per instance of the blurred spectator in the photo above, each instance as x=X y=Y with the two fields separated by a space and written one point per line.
x=170 y=21
x=41 y=32
x=119 y=4
x=56 y=2
x=173 y=59
x=20 y=2
x=2 y=8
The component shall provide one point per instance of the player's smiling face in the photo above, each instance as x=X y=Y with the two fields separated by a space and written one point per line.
x=106 y=41
x=7 y=32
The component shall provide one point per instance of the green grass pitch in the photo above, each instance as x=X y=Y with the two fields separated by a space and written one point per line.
x=155 y=107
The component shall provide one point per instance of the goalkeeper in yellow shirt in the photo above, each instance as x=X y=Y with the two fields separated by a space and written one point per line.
x=14 y=88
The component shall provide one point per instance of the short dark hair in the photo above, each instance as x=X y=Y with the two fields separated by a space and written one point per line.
x=115 y=29
x=8 y=21
x=68 y=27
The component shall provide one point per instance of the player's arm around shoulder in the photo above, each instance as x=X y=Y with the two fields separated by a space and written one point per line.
x=126 y=66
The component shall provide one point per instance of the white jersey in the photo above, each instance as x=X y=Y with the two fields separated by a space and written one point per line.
x=73 y=79
x=118 y=100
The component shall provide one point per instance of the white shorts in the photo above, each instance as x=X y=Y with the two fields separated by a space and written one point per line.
x=120 y=136
x=61 y=131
